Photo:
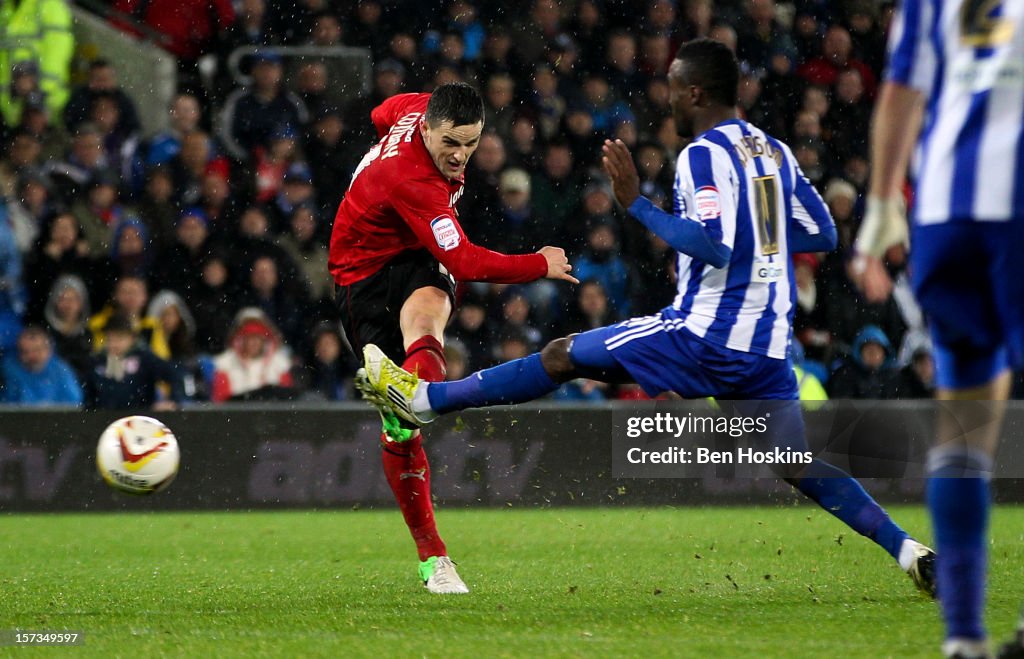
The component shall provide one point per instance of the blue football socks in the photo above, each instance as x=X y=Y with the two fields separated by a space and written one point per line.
x=513 y=382
x=959 y=502
x=841 y=495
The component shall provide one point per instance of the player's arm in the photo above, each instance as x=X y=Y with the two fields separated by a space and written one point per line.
x=425 y=209
x=811 y=227
x=701 y=240
x=386 y=114
x=894 y=129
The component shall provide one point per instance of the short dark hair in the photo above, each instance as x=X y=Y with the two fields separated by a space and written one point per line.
x=457 y=102
x=712 y=67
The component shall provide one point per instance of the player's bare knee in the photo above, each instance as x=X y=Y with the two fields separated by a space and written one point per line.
x=555 y=358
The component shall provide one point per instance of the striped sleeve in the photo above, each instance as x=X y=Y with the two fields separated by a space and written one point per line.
x=911 y=57
x=810 y=227
x=711 y=201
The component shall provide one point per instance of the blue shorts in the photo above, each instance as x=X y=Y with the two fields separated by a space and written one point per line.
x=969 y=280
x=661 y=356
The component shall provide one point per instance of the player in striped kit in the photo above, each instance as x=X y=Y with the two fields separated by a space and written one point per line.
x=955 y=85
x=742 y=207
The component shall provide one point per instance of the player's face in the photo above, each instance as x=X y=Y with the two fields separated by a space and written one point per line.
x=680 y=98
x=451 y=146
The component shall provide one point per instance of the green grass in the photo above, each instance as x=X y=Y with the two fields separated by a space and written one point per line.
x=711 y=582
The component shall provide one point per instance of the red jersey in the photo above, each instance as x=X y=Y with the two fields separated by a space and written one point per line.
x=398 y=200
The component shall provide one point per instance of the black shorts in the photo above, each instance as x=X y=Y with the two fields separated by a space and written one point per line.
x=370 y=307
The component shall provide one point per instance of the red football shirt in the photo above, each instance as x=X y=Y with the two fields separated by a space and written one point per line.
x=398 y=200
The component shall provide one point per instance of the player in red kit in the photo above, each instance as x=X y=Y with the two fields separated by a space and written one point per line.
x=397 y=250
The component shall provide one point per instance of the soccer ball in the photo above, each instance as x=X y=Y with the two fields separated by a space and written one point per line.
x=138 y=455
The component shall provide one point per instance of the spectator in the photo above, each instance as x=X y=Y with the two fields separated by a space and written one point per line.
x=849 y=117
x=456 y=356
x=388 y=79
x=305 y=250
x=514 y=226
x=185 y=115
x=131 y=251
x=624 y=77
x=516 y=316
x=102 y=80
x=119 y=145
x=67 y=318
x=35 y=376
x=602 y=261
x=328 y=373
x=368 y=29
x=157 y=209
x=12 y=288
x=126 y=375
x=24 y=92
x=255 y=240
x=462 y=18
x=190 y=166
x=597 y=207
x=606 y=112
x=761 y=35
x=916 y=380
x=809 y=323
x=472 y=328
x=267 y=293
x=332 y=156
x=291 y=23
x=524 y=149
x=272 y=162
x=180 y=265
x=256 y=365
x=656 y=274
x=100 y=212
x=214 y=302
x=313 y=88
x=867 y=370
x=547 y=103
x=251 y=115
x=590 y=309
x=555 y=190
x=179 y=326
x=836 y=56
x=23 y=155
x=326 y=31
x=251 y=27
x=60 y=250
x=483 y=175
x=543 y=24
x=28 y=208
x=85 y=160
x=129 y=302
x=499 y=107
x=217 y=201
x=36 y=31
x=191 y=26
x=296 y=190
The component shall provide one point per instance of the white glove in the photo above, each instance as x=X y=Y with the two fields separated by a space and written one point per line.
x=884 y=225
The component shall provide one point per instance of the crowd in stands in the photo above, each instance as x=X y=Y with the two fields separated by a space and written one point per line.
x=191 y=265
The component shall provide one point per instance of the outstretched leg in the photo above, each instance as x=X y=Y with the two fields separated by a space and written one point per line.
x=840 y=494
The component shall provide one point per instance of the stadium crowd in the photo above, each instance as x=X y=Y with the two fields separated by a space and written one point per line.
x=191 y=265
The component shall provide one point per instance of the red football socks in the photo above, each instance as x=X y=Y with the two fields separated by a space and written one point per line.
x=405 y=463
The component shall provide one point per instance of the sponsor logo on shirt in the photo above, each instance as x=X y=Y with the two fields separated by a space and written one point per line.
x=767 y=272
x=706 y=203
x=445 y=232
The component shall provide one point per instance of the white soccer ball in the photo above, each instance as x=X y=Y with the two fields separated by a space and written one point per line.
x=138 y=455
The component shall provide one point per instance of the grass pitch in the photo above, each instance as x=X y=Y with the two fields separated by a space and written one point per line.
x=712 y=582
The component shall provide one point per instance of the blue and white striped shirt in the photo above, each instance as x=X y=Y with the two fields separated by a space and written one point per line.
x=967 y=58
x=744 y=188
